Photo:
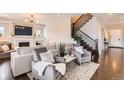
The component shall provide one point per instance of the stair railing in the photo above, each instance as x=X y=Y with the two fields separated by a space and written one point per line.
x=90 y=41
x=86 y=38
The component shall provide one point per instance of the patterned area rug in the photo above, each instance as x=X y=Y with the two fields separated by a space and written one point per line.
x=83 y=72
x=75 y=72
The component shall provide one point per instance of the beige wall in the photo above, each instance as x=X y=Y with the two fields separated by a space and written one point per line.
x=59 y=29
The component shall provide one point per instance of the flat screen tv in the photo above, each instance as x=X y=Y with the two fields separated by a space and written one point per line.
x=23 y=30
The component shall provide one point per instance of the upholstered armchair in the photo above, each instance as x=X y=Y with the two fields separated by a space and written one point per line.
x=82 y=57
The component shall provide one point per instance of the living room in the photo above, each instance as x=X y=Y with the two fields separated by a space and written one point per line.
x=21 y=32
x=67 y=39
x=51 y=25
x=71 y=46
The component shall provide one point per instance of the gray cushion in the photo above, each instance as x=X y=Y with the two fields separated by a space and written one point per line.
x=36 y=53
x=82 y=55
x=85 y=53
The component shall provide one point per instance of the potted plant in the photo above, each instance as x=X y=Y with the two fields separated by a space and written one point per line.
x=77 y=37
x=62 y=49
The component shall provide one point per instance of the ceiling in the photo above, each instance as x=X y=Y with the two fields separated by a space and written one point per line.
x=21 y=16
x=110 y=18
x=43 y=18
x=106 y=18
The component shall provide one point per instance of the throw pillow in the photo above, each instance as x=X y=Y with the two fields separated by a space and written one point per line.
x=5 y=48
x=36 y=53
x=79 y=49
x=47 y=57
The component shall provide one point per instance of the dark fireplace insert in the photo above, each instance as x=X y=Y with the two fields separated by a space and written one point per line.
x=24 y=44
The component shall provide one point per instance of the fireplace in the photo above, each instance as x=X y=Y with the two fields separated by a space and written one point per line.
x=24 y=44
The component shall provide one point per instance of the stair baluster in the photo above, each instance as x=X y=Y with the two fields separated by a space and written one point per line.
x=87 y=42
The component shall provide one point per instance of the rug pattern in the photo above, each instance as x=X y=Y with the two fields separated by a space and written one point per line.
x=83 y=72
x=75 y=72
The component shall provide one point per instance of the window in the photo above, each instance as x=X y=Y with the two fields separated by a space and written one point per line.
x=2 y=30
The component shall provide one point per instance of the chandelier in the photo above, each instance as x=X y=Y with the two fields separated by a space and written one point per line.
x=32 y=20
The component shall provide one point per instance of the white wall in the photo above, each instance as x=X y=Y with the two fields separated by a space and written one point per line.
x=117 y=38
x=93 y=28
x=90 y=28
x=58 y=29
x=9 y=28
x=116 y=35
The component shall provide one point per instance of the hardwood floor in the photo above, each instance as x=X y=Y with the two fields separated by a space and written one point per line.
x=6 y=73
x=111 y=67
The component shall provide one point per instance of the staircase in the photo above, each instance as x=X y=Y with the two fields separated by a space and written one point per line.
x=85 y=40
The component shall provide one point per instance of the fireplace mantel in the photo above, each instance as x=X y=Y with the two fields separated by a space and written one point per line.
x=31 y=39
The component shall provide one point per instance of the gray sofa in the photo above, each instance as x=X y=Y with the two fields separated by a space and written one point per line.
x=4 y=55
x=21 y=59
